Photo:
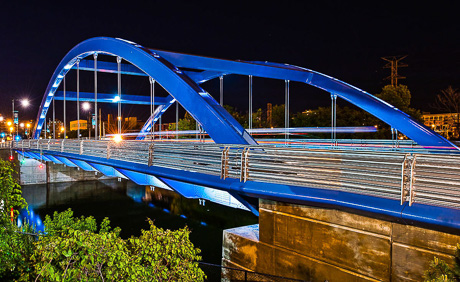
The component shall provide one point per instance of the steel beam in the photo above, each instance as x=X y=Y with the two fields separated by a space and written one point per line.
x=109 y=98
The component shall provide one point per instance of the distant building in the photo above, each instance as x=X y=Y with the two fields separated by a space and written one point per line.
x=130 y=123
x=74 y=125
x=444 y=124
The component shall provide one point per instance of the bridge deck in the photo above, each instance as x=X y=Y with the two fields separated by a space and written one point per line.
x=425 y=187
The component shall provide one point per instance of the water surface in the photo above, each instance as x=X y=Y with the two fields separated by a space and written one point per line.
x=129 y=205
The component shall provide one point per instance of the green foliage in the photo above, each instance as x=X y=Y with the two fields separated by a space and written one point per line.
x=346 y=116
x=75 y=250
x=166 y=255
x=398 y=96
x=15 y=247
x=10 y=193
x=187 y=123
x=440 y=271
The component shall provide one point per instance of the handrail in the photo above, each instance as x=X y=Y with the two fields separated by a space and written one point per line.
x=431 y=179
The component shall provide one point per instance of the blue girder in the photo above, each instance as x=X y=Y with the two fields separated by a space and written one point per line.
x=163 y=66
x=219 y=124
x=71 y=96
x=155 y=117
x=397 y=119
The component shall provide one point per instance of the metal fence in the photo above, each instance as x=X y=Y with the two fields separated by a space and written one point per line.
x=216 y=272
x=407 y=177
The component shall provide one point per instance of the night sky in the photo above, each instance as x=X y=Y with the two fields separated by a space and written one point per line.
x=337 y=38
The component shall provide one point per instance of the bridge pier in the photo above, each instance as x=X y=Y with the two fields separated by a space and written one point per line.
x=31 y=171
x=319 y=244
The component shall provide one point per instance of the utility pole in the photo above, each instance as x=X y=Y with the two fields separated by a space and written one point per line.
x=393 y=63
x=269 y=115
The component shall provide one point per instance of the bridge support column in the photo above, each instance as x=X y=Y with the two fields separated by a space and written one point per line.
x=318 y=244
x=286 y=109
x=333 y=119
x=221 y=80
x=65 y=114
x=54 y=120
x=78 y=99
x=177 y=119
x=95 y=97
x=250 y=104
x=119 y=93
x=152 y=107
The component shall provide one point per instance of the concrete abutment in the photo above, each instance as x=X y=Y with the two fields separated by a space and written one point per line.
x=319 y=244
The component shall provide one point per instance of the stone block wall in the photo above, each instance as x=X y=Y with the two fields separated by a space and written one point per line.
x=317 y=244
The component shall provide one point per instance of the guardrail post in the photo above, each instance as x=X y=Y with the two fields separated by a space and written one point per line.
x=151 y=149
x=412 y=181
x=244 y=165
x=62 y=145
x=81 y=147
x=224 y=163
x=404 y=178
x=108 y=150
x=48 y=145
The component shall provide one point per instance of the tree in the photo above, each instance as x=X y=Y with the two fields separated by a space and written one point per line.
x=278 y=116
x=15 y=247
x=74 y=249
x=10 y=193
x=399 y=96
x=187 y=123
x=449 y=101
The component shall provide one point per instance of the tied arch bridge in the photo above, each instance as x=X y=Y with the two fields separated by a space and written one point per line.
x=414 y=186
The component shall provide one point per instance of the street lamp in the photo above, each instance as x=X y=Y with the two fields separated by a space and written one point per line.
x=25 y=103
x=86 y=107
x=28 y=130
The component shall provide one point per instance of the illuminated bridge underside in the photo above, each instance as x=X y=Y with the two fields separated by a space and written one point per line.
x=187 y=190
x=183 y=86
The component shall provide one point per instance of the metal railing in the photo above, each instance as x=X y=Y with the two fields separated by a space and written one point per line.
x=407 y=177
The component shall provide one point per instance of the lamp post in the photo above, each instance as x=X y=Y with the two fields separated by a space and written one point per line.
x=28 y=130
x=86 y=107
x=25 y=103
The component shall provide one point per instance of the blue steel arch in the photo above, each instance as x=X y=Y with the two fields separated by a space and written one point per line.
x=222 y=128
x=220 y=125
x=404 y=123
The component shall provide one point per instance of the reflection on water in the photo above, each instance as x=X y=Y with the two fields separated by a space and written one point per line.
x=128 y=205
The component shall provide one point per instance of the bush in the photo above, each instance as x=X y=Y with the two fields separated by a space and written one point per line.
x=15 y=247
x=74 y=250
x=440 y=271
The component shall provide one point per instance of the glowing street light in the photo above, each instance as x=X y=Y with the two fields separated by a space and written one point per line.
x=28 y=125
x=1 y=118
x=25 y=103
x=21 y=125
x=9 y=123
x=86 y=106
x=62 y=128
x=117 y=138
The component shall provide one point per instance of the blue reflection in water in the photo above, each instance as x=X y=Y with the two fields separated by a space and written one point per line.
x=129 y=205
x=28 y=216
